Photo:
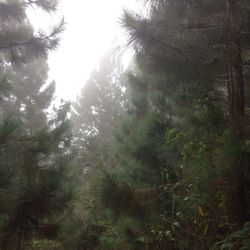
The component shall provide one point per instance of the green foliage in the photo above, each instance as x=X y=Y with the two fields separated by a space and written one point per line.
x=118 y=196
x=178 y=134
x=36 y=174
x=236 y=240
x=162 y=151
x=18 y=39
x=97 y=113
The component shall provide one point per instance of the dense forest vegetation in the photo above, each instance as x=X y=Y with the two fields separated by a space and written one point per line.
x=154 y=156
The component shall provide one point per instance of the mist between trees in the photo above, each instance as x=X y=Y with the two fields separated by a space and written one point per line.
x=152 y=157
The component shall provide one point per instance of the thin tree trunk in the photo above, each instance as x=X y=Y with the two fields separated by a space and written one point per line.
x=236 y=197
x=20 y=236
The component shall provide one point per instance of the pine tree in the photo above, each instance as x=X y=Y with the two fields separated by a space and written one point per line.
x=31 y=94
x=134 y=188
x=19 y=41
x=36 y=187
x=191 y=58
x=97 y=112
x=188 y=44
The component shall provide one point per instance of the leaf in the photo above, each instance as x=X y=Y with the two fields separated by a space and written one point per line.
x=246 y=245
x=168 y=233
x=201 y=211
x=227 y=246
x=176 y=224
x=178 y=214
x=205 y=230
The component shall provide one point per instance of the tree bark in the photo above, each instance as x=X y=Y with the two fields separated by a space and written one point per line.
x=236 y=197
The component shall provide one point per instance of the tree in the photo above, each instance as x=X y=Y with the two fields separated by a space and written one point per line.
x=191 y=76
x=36 y=187
x=18 y=39
x=189 y=37
x=97 y=112
x=31 y=94
x=134 y=187
x=95 y=116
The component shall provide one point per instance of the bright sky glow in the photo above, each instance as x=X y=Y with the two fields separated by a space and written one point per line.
x=91 y=27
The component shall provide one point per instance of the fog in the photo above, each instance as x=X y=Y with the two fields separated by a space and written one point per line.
x=148 y=148
x=91 y=29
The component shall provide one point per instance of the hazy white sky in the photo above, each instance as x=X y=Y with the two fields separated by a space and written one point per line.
x=91 y=26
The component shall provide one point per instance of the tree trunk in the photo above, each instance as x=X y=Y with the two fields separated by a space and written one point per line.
x=20 y=236
x=236 y=197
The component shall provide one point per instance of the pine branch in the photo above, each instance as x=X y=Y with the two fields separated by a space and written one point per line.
x=47 y=5
x=36 y=46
